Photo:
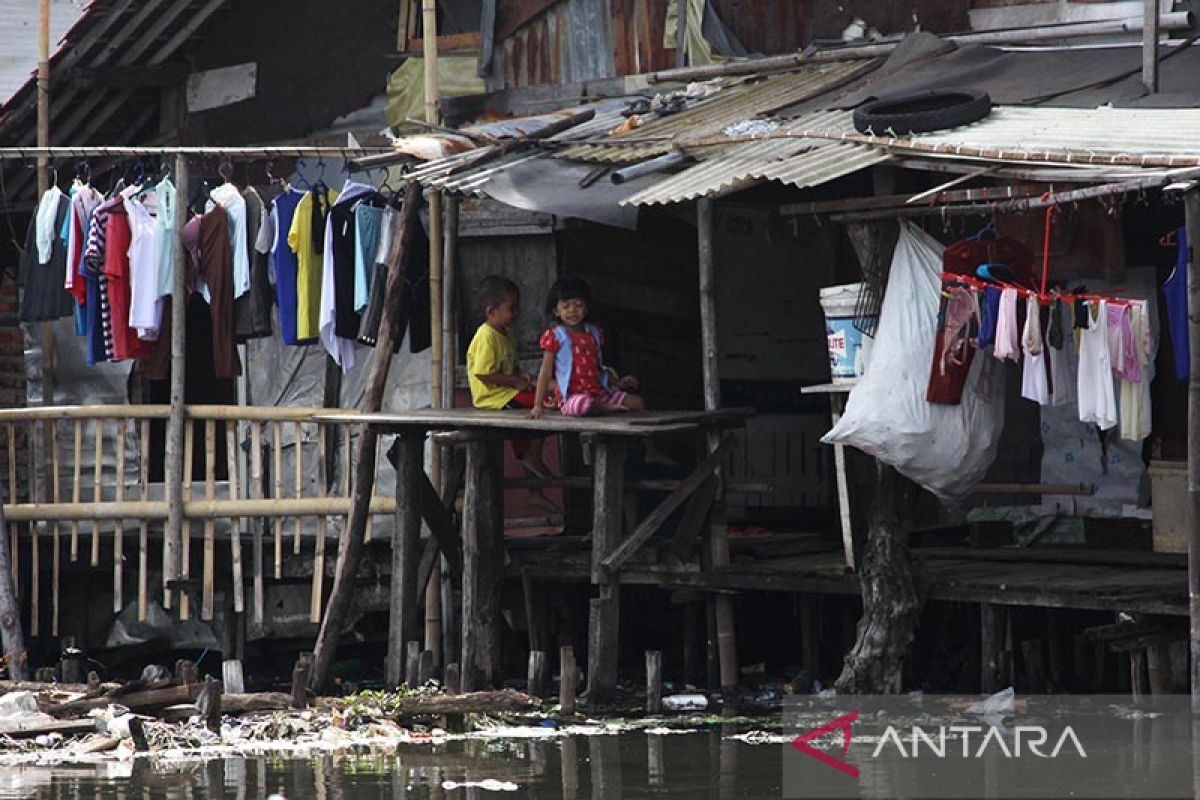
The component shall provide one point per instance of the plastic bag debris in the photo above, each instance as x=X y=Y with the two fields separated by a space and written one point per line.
x=685 y=702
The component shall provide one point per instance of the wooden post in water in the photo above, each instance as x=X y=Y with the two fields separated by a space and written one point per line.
x=608 y=456
x=482 y=539
x=653 y=681
x=566 y=680
x=718 y=537
x=12 y=636
x=1192 y=209
x=300 y=680
x=535 y=679
x=406 y=546
x=351 y=543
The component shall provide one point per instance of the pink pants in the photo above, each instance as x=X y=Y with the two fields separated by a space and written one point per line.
x=581 y=404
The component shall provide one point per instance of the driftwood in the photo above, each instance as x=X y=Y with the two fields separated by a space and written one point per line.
x=97 y=744
x=469 y=703
x=255 y=701
x=72 y=727
x=146 y=700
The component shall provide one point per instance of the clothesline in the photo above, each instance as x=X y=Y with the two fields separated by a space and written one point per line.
x=1046 y=299
x=274 y=151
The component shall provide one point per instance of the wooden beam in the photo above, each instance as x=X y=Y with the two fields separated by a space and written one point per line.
x=168 y=74
x=197 y=18
x=654 y=520
x=449 y=43
x=695 y=514
x=440 y=522
x=351 y=545
x=165 y=19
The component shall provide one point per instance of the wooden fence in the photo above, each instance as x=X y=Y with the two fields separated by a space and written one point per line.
x=53 y=493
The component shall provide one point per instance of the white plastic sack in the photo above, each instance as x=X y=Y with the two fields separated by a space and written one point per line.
x=945 y=449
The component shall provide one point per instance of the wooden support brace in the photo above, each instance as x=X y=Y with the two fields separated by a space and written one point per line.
x=654 y=520
x=402 y=623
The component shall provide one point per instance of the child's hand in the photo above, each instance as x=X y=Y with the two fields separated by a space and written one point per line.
x=537 y=411
x=525 y=383
x=628 y=383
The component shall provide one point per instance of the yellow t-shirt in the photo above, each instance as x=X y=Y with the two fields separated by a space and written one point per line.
x=491 y=351
x=310 y=269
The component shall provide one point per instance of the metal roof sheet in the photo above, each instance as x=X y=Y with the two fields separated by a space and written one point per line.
x=738 y=101
x=799 y=162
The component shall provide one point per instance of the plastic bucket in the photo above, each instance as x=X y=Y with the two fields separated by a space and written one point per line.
x=849 y=348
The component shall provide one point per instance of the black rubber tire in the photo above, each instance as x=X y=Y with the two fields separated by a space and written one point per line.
x=920 y=112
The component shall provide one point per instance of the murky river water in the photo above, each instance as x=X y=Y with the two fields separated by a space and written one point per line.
x=625 y=765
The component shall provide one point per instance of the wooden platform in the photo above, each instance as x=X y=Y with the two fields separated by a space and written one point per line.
x=633 y=423
x=1073 y=578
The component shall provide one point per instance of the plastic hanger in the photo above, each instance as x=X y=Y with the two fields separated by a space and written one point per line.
x=1169 y=239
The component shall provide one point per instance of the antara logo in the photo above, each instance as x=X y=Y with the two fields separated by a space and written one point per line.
x=976 y=741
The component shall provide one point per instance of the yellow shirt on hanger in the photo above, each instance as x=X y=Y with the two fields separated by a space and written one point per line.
x=310 y=266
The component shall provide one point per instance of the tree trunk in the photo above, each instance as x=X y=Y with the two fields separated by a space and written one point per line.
x=12 y=636
x=889 y=594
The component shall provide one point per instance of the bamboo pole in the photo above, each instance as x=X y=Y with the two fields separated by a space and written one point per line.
x=56 y=531
x=235 y=523
x=1150 y=45
x=210 y=493
x=119 y=526
x=97 y=488
x=144 y=529
x=35 y=566
x=256 y=491
x=351 y=546
x=175 y=543
x=76 y=481
x=318 y=573
x=14 y=531
x=278 y=493
x=185 y=536
x=369 y=534
x=718 y=541
x=216 y=508
x=298 y=457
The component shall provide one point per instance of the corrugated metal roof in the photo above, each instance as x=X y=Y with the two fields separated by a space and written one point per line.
x=1135 y=136
x=741 y=100
x=799 y=162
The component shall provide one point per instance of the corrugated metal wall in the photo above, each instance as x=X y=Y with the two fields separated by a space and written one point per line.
x=18 y=38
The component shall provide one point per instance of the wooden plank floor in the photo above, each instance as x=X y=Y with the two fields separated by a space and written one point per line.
x=1049 y=578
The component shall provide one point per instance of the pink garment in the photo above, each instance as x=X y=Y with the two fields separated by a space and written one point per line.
x=961 y=308
x=581 y=404
x=1121 y=349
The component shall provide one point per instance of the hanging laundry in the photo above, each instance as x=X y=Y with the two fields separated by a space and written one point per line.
x=252 y=311
x=285 y=265
x=1175 y=291
x=1033 y=367
x=230 y=198
x=989 y=314
x=84 y=200
x=1007 y=336
x=121 y=339
x=216 y=259
x=1063 y=375
x=166 y=202
x=958 y=326
x=48 y=223
x=145 y=249
x=1135 y=384
x=306 y=238
x=339 y=323
x=43 y=298
x=368 y=222
x=1094 y=388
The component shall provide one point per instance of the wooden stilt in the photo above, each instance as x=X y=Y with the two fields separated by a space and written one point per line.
x=300 y=680
x=412 y=663
x=119 y=525
x=718 y=537
x=56 y=529
x=256 y=491
x=176 y=541
x=76 y=486
x=185 y=536
x=453 y=678
x=12 y=637
x=535 y=678
x=298 y=485
x=318 y=576
x=1192 y=217
x=424 y=667
x=570 y=767
x=35 y=566
x=144 y=528
x=482 y=532
x=210 y=533
x=607 y=521
x=653 y=681
x=278 y=485
x=656 y=763
x=405 y=553
x=1158 y=668
x=13 y=498
x=1137 y=674
x=235 y=523
x=97 y=489
x=566 y=681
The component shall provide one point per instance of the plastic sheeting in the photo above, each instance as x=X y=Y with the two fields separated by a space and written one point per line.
x=945 y=449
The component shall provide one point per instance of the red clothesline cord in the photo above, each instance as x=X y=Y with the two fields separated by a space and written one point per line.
x=1046 y=249
x=1044 y=298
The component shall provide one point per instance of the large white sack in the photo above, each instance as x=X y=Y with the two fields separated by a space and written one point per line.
x=945 y=449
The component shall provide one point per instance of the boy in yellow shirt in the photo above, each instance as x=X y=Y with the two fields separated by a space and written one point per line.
x=494 y=373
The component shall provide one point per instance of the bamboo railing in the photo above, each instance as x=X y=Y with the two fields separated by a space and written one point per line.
x=250 y=498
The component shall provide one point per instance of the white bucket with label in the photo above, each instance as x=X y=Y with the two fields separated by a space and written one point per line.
x=849 y=348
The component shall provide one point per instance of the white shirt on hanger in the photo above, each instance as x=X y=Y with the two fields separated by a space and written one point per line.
x=145 y=248
x=46 y=230
x=1097 y=398
x=342 y=350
